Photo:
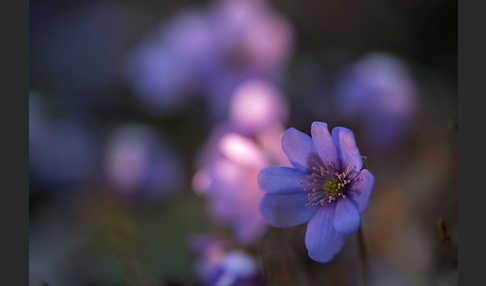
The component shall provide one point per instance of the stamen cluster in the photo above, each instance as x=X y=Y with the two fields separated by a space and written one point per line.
x=328 y=182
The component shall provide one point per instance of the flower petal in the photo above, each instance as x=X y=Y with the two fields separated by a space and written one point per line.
x=286 y=210
x=297 y=146
x=248 y=227
x=346 y=217
x=348 y=151
x=321 y=239
x=323 y=142
x=361 y=189
x=281 y=180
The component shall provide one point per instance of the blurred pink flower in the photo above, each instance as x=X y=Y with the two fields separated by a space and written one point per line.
x=230 y=163
x=252 y=34
x=257 y=105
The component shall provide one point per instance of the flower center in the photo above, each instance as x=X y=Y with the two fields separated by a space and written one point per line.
x=332 y=187
x=328 y=183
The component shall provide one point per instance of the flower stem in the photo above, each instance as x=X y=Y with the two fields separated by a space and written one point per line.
x=363 y=254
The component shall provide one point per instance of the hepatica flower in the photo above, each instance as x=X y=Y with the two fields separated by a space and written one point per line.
x=218 y=266
x=168 y=65
x=326 y=187
x=227 y=177
x=232 y=189
x=257 y=105
x=380 y=93
x=207 y=52
x=251 y=34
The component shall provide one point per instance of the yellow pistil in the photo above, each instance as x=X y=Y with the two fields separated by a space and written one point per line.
x=332 y=187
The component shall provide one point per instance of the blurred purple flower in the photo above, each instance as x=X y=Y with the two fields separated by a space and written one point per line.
x=228 y=178
x=379 y=92
x=238 y=268
x=169 y=64
x=257 y=105
x=232 y=191
x=253 y=42
x=209 y=52
x=61 y=151
x=139 y=163
x=212 y=252
x=218 y=267
x=252 y=35
x=326 y=187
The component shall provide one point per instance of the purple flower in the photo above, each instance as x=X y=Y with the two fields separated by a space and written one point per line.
x=228 y=175
x=379 y=92
x=253 y=41
x=251 y=35
x=212 y=251
x=169 y=65
x=257 y=105
x=238 y=268
x=140 y=163
x=208 y=52
x=232 y=191
x=219 y=266
x=326 y=187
